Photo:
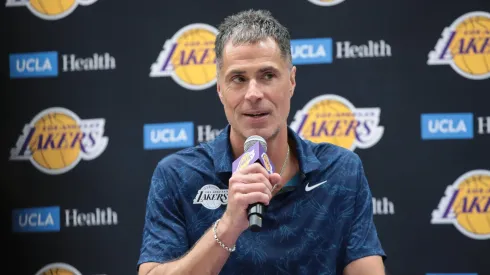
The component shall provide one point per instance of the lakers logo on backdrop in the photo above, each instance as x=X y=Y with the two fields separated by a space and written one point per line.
x=333 y=119
x=58 y=269
x=326 y=2
x=49 y=9
x=465 y=46
x=57 y=139
x=466 y=205
x=189 y=57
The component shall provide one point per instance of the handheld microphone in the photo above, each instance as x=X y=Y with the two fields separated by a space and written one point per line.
x=255 y=151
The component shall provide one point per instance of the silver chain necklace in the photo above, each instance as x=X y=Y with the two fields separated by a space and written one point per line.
x=282 y=169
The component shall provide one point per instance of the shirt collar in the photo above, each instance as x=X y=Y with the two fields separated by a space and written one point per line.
x=222 y=154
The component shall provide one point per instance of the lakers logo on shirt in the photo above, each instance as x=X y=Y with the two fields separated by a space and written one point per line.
x=465 y=46
x=466 y=205
x=211 y=197
x=333 y=119
x=326 y=2
x=189 y=57
x=58 y=269
x=49 y=9
x=57 y=139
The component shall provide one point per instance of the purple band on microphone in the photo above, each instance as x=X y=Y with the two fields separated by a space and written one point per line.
x=252 y=155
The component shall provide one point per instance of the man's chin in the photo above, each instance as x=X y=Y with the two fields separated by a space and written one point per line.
x=266 y=132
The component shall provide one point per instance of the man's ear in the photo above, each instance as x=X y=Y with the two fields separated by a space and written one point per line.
x=292 y=80
x=218 y=89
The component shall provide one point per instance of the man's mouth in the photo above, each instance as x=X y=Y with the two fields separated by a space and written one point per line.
x=256 y=114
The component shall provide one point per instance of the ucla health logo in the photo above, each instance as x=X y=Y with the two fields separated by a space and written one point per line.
x=40 y=219
x=47 y=219
x=466 y=205
x=45 y=64
x=168 y=135
x=334 y=119
x=320 y=50
x=311 y=51
x=447 y=126
x=49 y=9
x=41 y=64
x=189 y=57
x=465 y=46
x=56 y=140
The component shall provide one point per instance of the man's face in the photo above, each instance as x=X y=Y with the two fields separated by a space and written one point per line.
x=255 y=86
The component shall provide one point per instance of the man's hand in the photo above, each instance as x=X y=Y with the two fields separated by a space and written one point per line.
x=249 y=185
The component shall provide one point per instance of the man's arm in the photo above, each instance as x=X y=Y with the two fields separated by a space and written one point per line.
x=364 y=254
x=165 y=248
x=366 y=266
x=206 y=257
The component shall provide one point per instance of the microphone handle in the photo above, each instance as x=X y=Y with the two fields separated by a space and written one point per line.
x=255 y=214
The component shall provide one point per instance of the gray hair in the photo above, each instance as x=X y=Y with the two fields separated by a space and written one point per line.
x=248 y=27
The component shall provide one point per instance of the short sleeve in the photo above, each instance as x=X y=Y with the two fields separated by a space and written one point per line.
x=164 y=233
x=362 y=240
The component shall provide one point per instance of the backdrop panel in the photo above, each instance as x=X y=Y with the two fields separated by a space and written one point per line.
x=98 y=91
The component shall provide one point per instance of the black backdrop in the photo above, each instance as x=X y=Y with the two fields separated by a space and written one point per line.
x=408 y=174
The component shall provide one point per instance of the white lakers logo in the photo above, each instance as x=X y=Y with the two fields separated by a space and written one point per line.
x=211 y=197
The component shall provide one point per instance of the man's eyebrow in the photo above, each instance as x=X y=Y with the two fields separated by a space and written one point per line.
x=268 y=68
x=261 y=70
x=235 y=71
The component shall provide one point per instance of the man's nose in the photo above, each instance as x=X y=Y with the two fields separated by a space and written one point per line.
x=254 y=91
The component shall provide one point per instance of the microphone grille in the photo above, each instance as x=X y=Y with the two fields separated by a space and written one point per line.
x=252 y=140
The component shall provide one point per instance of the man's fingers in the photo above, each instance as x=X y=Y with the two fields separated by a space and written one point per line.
x=251 y=178
x=254 y=168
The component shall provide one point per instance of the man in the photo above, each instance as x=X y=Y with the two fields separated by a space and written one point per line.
x=319 y=212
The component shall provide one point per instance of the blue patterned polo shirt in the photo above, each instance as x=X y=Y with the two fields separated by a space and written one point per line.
x=319 y=223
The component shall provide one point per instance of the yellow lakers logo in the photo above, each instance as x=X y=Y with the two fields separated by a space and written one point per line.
x=245 y=160
x=465 y=46
x=49 y=9
x=267 y=163
x=466 y=205
x=57 y=139
x=326 y=2
x=333 y=119
x=58 y=269
x=189 y=57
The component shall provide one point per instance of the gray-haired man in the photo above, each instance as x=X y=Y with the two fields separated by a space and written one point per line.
x=319 y=217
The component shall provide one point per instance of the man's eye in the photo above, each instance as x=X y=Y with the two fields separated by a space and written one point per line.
x=238 y=79
x=268 y=76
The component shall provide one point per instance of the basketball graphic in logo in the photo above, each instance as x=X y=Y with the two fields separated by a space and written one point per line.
x=465 y=46
x=189 y=57
x=50 y=9
x=466 y=205
x=57 y=139
x=333 y=119
x=58 y=269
